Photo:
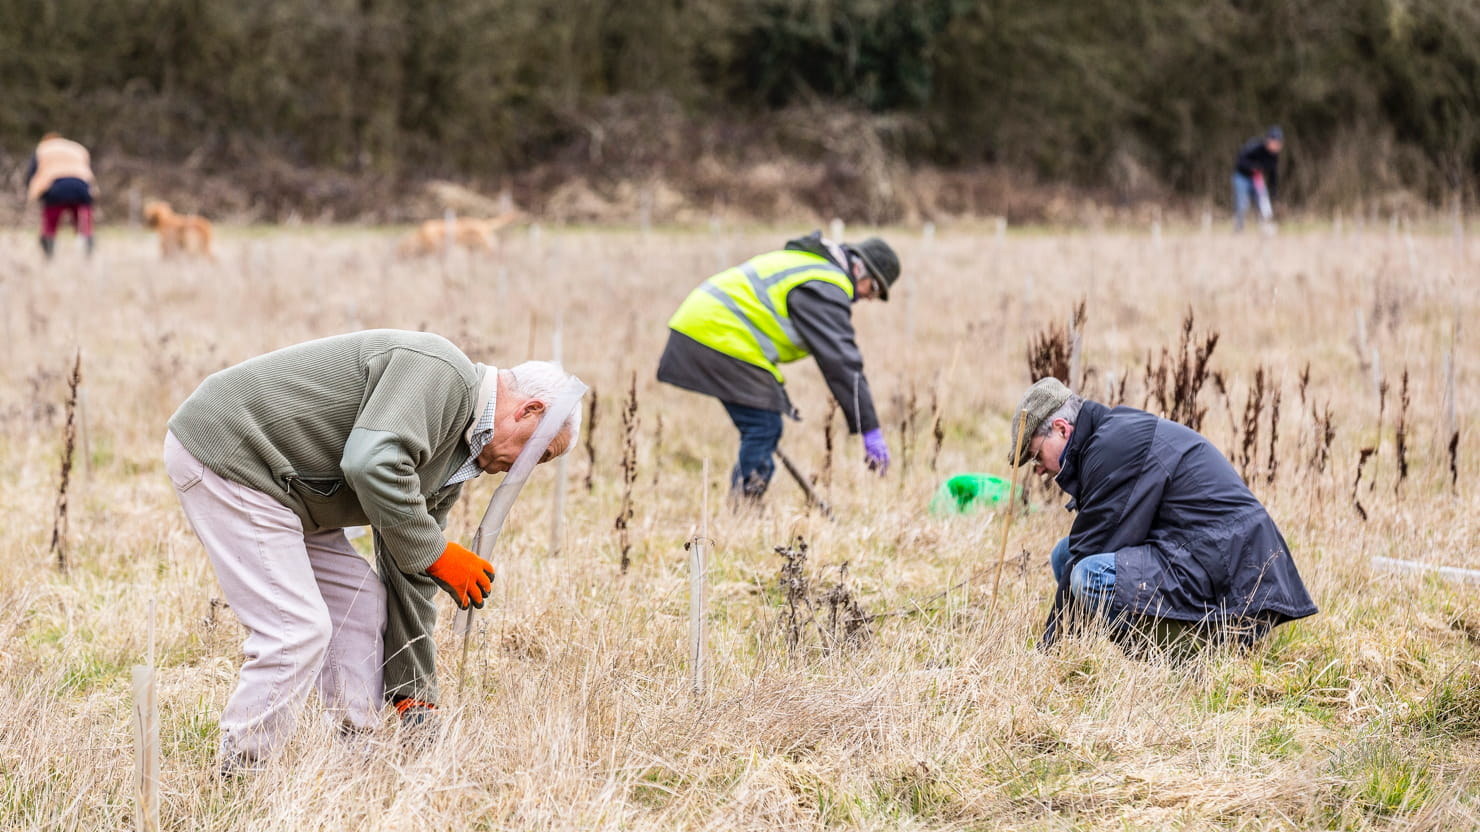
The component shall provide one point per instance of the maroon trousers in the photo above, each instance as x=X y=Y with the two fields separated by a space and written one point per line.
x=51 y=217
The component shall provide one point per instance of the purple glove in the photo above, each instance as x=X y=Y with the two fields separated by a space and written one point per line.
x=875 y=452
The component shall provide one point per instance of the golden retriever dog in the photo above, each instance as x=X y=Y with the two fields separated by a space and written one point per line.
x=178 y=233
x=475 y=235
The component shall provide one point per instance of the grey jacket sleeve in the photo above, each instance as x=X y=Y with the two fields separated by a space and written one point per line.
x=411 y=617
x=823 y=315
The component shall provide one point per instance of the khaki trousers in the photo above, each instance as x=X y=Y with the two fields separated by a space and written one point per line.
x=313 y=609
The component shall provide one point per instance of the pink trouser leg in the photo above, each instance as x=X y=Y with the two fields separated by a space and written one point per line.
x=313 y=609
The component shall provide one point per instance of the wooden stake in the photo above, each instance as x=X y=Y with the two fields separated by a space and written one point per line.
x=1017 y=440
x=697 y=567
x=146 y=739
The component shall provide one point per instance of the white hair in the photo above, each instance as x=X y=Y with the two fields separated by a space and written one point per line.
x=1068 y=411
x=544 y=380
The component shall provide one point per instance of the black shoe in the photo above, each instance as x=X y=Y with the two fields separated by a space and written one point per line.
x=48 y=246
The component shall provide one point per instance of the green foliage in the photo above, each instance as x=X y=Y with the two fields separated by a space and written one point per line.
x=1452 y=707
x=1379 y=778
x=1133 y=96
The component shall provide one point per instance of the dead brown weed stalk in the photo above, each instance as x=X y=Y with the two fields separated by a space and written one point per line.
x=629 y=473
x=69 y=444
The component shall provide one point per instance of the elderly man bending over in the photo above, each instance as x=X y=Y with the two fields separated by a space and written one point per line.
x=1166 y=536
x=274 y=457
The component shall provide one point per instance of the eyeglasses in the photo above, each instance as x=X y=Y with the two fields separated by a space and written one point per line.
x=1034 y=456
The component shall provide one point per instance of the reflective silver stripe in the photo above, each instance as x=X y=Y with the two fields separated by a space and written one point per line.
x=785 y=273
x=768 y=347
x=762 y=292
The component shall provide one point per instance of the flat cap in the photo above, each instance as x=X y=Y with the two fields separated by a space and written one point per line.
x=1042 y=399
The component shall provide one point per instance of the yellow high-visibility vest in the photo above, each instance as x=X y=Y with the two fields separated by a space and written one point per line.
x=742 y=310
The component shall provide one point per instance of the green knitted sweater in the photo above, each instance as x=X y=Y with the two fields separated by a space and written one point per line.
x=352 y=430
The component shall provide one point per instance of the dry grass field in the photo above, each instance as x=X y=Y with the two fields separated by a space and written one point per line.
x=576 y=711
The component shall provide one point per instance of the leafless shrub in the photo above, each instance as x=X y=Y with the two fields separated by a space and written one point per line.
x=1253 y=407
x=1177 y=379
x=797 y=613
x=1382 y=391
x=657 y=448
x=1451 y=422
x=1454 y=460
x=1048 y=353
x=1320 y=455
x=69 y=444
x=1304 y=383
x=907 y=429
x=1274 y=433
x=629 y=472
x=1402 y=433
x=1362 y=457
x=43 y=409
x=591 y=442
x=937 y=431
x=847 y=624
x=847 y=621
x=1055 y=351
x=1221 y=386
x=828 y=428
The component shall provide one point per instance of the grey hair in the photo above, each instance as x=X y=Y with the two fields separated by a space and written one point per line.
x=1068 y=411
x=544 y=380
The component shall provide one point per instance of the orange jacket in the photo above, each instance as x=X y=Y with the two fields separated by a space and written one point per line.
x=57 y=159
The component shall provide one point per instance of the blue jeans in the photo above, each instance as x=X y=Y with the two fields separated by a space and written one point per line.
x=760 y=430
x=1093 y=578
x=1244 y=195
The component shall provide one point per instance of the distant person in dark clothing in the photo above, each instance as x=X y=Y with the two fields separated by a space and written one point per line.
x=730 y=336
x=60 y=177
x=1167 y=539
x=1256 y=174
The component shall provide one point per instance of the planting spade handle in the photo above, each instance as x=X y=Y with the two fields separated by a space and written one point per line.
x=796 y=474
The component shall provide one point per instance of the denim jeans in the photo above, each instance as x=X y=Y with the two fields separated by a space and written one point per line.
x=1093 y=578
x=1244 y=195
x=760 y=430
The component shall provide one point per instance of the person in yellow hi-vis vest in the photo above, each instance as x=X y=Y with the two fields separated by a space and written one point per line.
x=730 y=336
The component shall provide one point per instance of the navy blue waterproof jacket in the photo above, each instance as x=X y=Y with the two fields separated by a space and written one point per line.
x=1191 y=542
x=1254 y=156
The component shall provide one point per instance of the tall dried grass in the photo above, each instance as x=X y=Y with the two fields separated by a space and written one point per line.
x=578 y=712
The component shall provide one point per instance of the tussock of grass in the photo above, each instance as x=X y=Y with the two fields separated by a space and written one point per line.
x=577 y=712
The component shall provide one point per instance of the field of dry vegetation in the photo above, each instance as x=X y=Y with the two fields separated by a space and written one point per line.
x=913 y=699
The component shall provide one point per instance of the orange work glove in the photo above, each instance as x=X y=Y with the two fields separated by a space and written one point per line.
x=467 y=577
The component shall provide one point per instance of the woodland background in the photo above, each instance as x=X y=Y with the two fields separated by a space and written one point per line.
x=874 y=110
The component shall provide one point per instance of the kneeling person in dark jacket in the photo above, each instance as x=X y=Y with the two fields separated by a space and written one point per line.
x=1165 y=531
